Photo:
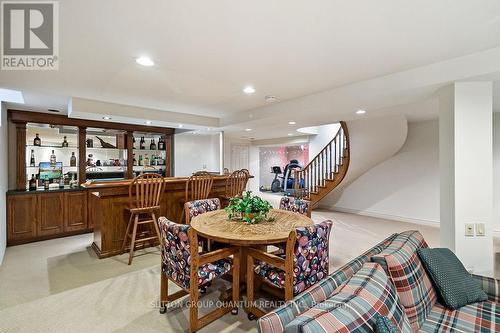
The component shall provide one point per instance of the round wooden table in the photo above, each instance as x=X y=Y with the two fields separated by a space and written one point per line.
x=217 y=226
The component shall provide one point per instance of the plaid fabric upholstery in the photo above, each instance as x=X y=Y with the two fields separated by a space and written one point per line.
x=355 y=306
x=478 y=317
x=276 y=320
x=409 y=276
x=490 y=286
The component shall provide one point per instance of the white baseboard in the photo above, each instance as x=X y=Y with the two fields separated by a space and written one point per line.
x=431 y=223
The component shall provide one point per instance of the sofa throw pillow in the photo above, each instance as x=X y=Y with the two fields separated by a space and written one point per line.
x=385 y=325
x=454 y=285
x=403 y=265
x=355 y=306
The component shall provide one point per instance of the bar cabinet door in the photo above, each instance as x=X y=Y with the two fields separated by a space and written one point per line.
x=22 y=217
x=75 y=211
x=51 y=211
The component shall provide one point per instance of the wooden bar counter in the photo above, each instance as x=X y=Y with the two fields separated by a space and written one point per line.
x=108 y=216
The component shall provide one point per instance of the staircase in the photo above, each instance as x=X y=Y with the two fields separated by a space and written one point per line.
x=325 y=171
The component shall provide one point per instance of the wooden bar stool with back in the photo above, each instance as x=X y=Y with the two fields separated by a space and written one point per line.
x=198 y=187
x=143 y=203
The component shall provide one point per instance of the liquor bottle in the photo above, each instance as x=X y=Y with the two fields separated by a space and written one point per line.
x=53 y=158
x=146 y=160
x=65 y=142
x=153 y=159
x=161 y=144
x=152 y=146
x=37 y=141
x=134 y=161
x=142 y=144
x=61 y=182
x=72 y=160
x=32 y=159
x=140 y=161
x=32 y=185
x=46 y=183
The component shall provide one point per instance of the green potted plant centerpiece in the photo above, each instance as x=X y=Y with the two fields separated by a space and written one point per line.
x=250 y=209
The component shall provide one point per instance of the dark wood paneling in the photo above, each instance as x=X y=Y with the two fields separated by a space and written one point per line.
x=75 y=211
x=51 y=214
x=21 y=217
x=18 y=116
x=21 y=156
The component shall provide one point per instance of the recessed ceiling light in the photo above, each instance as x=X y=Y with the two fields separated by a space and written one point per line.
x=145 y=61
x=249 y=90
x=181 y=126
x=248 y=129
x=106 y=118
x=361 y=112
x=148 y=122
x=291 y=123
x=290 y=134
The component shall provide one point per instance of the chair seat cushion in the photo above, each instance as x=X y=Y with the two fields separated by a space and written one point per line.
x=213 y=270
x=273 y=275
x=478 y=317
x=355 y=306
x=454 y=285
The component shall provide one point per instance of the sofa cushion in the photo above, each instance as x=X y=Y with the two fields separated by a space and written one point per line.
x=385 y=325
x=454 y=285
x=478 y=317
x=406 y=271
x=355 y=306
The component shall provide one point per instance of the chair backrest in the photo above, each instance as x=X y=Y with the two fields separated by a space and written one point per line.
x=178 y=257
x=148 y=188
x=198 y=186
x=196 y=207
x=307 y=255
x=236 y=184
x=296 y=205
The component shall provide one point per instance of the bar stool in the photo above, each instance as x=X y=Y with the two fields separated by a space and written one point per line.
x=235 y=185
x=144 y=203
x=198 y=187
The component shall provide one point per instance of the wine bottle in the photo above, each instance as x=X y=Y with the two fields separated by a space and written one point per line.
x=53 y=158
x=46 y=183
x=32 y=159
x=37 y=141
x=146 y=160
x=142 y=144
x=140 y=160
x=161 y=144
x=65 y=143
x=152 y=146
x=32 y=186
x=72 y=160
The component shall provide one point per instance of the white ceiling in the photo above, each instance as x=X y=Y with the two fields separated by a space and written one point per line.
x=207 y=51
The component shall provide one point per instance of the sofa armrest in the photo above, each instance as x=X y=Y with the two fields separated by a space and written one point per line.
x=490 y=285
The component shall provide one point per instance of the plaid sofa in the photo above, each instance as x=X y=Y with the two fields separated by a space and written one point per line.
x=306 y=312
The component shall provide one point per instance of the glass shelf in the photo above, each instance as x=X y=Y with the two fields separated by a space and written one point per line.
x=52 y=146
x=64 y=166
x=101 y=148
x=147 y=150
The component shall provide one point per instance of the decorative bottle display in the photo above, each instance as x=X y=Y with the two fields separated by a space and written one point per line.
x=32 y=186
x=53 y=158
x=72 y=160
x=37 y=141
x=152 y=146
x=161 y=144
x=142 y=144
x=65 y=142
x=32 y=159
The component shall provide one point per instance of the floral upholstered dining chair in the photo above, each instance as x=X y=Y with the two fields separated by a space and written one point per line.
x=182 y=264
x=296 y=205
x=197 y=207
x=304 y=263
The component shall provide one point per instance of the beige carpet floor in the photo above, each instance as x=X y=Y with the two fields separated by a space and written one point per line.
x=61 y=286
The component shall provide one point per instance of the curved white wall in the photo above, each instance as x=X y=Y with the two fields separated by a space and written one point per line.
x=404 y=187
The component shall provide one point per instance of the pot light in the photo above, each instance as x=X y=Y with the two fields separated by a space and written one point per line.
x=181 y=126
x=106 y=118
x=148 y=122
x=145 y=61
x=248 y=129
x=290 y=134
x=270 y=99
x=249 y=90
x=361 y=112
x=291 y=123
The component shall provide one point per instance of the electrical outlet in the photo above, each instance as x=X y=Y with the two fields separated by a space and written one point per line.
x=469 y=229
x=480 y=229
